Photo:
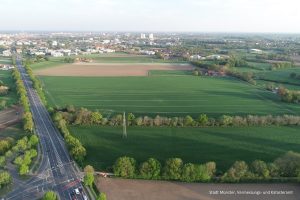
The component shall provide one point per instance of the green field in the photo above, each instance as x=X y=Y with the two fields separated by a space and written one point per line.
x=5 y=60
x=281 y=75
x=11 y=97
x=222 y=145
x=170 y=73
x=164 y=95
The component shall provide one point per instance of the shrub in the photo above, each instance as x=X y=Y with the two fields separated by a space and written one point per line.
x=125 y=167
x=173 y=169
x=150 y=169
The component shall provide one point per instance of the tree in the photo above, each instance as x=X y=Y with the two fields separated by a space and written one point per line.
x=89 y=169
x=173 y=169
x=203 y=173
x=189 y=173
x=89 y=179
x=150 y=169
x=260 y=168
x=125 y=167
x=188 y=121
x=24 y=169
x=102 y=196
x=50 y=195
x=130 y=119
x=288 y=164
x=2 y=161
x=33 y=140
x=238 y=170
x=5 y=178
x=226 y=120
x=96 y=117
x=203 y=120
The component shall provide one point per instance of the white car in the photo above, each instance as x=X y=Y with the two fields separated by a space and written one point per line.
x=76 y=191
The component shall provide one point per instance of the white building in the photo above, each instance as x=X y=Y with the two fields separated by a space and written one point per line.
x=151 y=36
x=143 y=36
x=145 y=52
x=6 y=53
x=54 y=43
x=56 y=54
x=256 y=51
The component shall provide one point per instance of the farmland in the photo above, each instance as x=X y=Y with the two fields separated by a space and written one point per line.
x=164 y=95
x=223 y=145
x=5 y=60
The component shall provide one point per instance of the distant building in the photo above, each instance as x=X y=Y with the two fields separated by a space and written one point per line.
x=143 y=36
x=151 y=36
x=54 y=43
x=56 y=54
x=6 y=53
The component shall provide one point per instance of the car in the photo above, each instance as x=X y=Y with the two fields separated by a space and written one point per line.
x=76 y=191
x=85 y=197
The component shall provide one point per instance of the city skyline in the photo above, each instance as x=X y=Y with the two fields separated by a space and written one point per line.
x=151 y=16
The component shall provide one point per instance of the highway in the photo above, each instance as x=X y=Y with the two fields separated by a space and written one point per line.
x=56 y=169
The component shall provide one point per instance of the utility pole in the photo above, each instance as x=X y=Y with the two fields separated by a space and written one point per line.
x=124 y=126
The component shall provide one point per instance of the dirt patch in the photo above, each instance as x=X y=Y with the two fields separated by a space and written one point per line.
x=117 y=189
x=99 y=69
x=10 y=116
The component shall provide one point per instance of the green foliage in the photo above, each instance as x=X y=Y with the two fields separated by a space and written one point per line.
x=260 y=168
x=33 y=141
x=150 y=169
x=24 y=169
x=2 y=161
x=203 y=120
x=238 y=171
x=125 y=167
x=89 y=179
x=102 y=196
x=5 y=178
x=189 y=173
x=173 y=169
x=288 y=164
x=50 y=195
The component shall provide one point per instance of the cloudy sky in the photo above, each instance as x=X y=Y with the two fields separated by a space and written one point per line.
x=151 y=15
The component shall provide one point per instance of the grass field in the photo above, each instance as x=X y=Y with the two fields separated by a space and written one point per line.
x=223 y=145
x=11 y=97
x=170 y=72
x=281 y=75
x=5 y=60
x=165 y=95
x=15 y=132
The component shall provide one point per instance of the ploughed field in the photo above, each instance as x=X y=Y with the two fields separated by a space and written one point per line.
x=197 y=145
x=164 y=95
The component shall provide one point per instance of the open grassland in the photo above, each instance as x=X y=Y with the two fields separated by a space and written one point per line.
x=198 y=145
x=11 y=98
x=5 y=60
x=110 y=69
x=102 y=58
x=165 y=95
x=281 y=75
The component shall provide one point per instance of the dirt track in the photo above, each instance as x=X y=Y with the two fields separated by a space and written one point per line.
x=9 y=117
x=117 y=189
x=98 y=69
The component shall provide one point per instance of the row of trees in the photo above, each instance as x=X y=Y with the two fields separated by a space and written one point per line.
x=27 y=116
x=281 y=65
x=284 y=167
x=76 y=149
x=37 y=85
x=173 y=169
x=290 y=96
x=83 y=116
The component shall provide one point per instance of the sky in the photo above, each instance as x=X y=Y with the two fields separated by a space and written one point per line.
x=151 y=15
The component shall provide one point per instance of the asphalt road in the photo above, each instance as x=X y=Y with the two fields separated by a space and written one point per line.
x=56 y=170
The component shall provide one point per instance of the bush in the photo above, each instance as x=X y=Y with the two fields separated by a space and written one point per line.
x=150 y=169
x=173 y=169
x=288 y=164
x=238 y=170
x=260 y=168
x=5 y=179
x=125 y=167
x=50 y=195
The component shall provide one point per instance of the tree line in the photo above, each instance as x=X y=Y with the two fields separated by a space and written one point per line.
x=289 y=96
x=82 y=116
x=286 y=167
x=76 y=149
x=23 y=99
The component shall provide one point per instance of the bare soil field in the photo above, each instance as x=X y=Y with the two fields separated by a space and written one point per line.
x=109 y=70
x=124 y=189
x=296 y=60
x=10 y=117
